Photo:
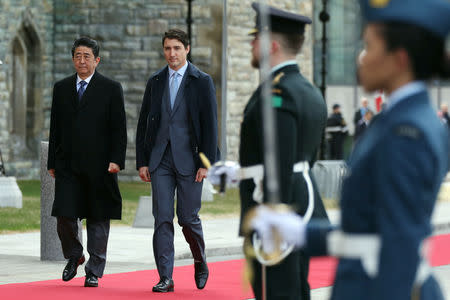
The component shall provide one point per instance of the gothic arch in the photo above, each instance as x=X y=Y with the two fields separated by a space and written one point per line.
x=26 y=98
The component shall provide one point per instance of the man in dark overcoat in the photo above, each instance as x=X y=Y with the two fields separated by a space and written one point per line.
x=361 y=111
x=87 y=146
x=178 y=120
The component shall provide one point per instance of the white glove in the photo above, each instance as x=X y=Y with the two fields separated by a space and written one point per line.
x=289 y=226
x=228 y=168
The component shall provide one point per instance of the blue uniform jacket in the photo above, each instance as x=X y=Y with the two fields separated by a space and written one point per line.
x=395 y=173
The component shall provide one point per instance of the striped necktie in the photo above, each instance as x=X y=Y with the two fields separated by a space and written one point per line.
x=81 y=89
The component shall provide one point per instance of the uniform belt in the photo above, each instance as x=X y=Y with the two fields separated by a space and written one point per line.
x=336 y=129
x=256 y=172
x=366 y=247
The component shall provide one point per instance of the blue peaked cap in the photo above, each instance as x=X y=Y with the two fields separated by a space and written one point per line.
x=432 y=15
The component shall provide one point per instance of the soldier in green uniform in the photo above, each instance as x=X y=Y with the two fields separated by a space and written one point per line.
x=300 y=119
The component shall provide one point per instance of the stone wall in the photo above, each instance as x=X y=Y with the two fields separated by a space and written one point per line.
x=242 y=78
x=26 y=50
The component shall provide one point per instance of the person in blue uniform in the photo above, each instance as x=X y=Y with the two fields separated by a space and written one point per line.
x=396 y=169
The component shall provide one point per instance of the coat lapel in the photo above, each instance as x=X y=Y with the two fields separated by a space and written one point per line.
x=186 y=91
x=73 y=92
x=159 y=90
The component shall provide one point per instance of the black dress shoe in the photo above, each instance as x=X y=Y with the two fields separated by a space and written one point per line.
x=91 y=280
x=71 y=268
x=201 y=274
x=164 y=285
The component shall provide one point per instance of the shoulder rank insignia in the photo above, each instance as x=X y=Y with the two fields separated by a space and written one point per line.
x=277 y=78
x=276 y=91
x=408 y=131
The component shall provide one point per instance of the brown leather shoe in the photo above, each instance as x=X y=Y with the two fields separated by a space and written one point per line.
x=71 y=268
x=201 y=274
x=164 y=285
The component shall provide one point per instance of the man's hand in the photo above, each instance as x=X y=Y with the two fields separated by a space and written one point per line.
x=229 y=169
x=113 y=168
x=201 y=173
x=287 y=224
x=52 y=172
x=144 y=174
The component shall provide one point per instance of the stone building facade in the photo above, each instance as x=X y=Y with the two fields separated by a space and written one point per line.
x=35 y=43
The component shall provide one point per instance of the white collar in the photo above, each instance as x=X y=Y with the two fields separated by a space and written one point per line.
x=283 y=64
x=86 y=80
x=404 y=92
x=180 y=71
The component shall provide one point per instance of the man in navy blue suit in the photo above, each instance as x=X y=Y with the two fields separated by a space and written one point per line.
x=396 y=168
x=178 y=120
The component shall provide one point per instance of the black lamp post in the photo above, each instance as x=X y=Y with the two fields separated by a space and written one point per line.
x=324 y=17
x=189 y=22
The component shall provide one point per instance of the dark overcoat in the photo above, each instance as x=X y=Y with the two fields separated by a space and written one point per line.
x=85 y=136
x=301 y=115
x=202 y=113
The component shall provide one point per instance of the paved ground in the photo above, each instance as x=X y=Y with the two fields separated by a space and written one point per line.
x=130 y=249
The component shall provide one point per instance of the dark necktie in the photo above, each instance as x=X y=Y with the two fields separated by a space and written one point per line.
x=81 y=89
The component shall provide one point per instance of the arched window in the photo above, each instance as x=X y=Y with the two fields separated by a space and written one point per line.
x=26 y=118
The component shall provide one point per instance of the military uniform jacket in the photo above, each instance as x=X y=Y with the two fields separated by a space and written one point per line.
x=300 y=116
x=395 y=173
x=85 y=136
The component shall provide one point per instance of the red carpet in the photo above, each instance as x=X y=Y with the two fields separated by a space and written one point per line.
x=225 y=281
x=440 y=250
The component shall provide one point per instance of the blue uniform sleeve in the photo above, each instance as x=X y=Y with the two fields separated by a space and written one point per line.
x=404 y=174
x=316 y=237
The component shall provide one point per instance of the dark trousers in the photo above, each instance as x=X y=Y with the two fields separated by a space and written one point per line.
x=97 y=242
x=164 y=180
x=285 y=281
x=336 y=144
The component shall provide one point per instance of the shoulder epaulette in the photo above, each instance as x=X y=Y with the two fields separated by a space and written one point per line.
x=408 y=131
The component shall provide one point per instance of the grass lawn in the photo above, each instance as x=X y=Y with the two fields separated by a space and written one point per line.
x=28 y=217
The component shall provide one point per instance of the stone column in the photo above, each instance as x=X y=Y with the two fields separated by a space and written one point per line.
x=144 y=217
x=50 y=244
